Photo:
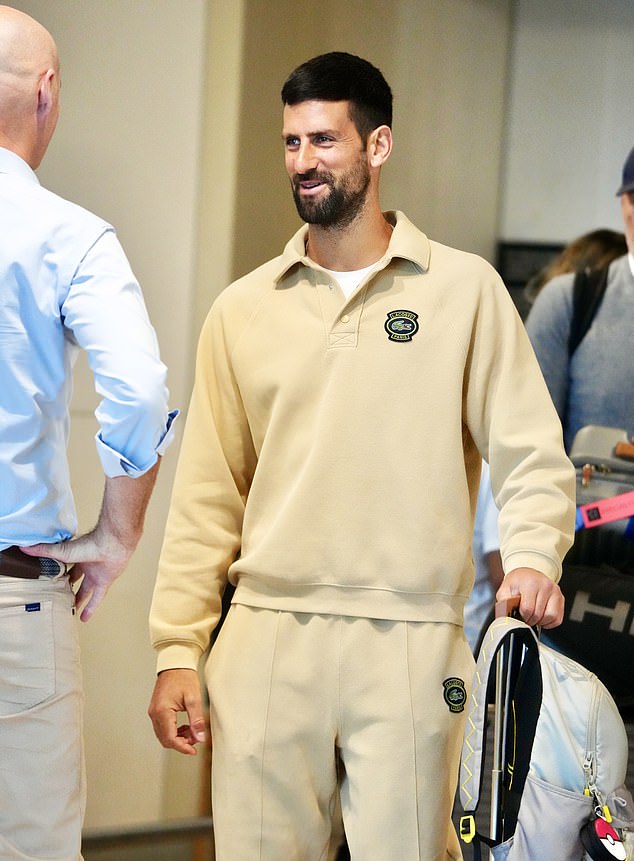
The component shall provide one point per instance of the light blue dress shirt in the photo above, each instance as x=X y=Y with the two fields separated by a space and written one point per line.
x=486 y=539
x=66 y=285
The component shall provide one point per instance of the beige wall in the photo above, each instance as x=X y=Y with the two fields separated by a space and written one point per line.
x=170 y=128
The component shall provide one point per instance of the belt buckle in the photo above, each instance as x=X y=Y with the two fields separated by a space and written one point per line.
x=52 y=569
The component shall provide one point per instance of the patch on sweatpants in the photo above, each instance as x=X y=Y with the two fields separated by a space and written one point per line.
x=455 y=694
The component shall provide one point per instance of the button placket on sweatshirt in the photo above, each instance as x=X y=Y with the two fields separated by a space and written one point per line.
x=341 y=316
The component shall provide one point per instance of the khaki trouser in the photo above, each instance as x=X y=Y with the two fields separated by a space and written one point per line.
x=42 y=784
x=305 y=706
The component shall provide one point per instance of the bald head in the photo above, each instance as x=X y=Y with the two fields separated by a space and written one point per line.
x=29 y=85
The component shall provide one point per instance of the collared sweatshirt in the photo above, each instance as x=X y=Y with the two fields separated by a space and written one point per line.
x=331 y=456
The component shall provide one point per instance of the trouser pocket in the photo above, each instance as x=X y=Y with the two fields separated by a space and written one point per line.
x=27 y=674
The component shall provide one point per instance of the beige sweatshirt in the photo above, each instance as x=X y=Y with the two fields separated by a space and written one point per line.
x=331 y=456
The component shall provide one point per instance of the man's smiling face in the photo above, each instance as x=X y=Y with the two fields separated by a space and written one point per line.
x=326 y=162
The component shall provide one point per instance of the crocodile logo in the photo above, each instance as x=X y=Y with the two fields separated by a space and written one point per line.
x=455 y=694
x=401 y=325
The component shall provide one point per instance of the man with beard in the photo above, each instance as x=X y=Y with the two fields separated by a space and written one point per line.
x=345 y=394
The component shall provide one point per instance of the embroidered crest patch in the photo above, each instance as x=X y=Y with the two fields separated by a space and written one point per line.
x=401 y=325
x=454 y=694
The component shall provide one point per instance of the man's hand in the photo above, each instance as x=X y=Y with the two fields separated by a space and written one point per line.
x=102 y=554
x=542 y=602
x=178 y=691
x=98 y=558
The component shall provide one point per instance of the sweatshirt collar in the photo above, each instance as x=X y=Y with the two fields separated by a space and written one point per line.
x=11 y=163
x=406 y=242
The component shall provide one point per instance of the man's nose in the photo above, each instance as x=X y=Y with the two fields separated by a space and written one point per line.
x=305 y=158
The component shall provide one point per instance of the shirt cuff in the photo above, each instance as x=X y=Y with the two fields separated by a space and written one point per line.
x=115 y=464
x=538 y=561
x=177 y=656
x=168 y=436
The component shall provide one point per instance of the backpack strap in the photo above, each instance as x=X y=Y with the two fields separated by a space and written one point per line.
x=497 y=639
x=588 y=290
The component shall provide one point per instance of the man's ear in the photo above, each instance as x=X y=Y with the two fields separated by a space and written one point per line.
x=46 y=93
x=379 y=146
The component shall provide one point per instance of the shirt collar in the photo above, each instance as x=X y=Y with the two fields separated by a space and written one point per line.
x=406 y=242
x=630 y=260
x=11 y=163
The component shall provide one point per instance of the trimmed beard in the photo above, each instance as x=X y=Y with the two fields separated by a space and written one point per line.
x=341 y=206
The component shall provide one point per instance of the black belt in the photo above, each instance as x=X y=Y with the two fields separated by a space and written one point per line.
x=14 y=563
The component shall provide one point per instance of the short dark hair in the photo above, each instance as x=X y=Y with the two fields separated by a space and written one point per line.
x=339 y=77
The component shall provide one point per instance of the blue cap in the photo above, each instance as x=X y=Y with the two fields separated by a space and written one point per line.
x=628 y=175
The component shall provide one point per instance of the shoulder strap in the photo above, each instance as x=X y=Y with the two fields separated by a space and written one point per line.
x=587 y=293
x=482 y=693
x=522 y=701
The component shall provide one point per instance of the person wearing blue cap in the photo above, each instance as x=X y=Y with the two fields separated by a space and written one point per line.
x=595 y=384
x=627 y=185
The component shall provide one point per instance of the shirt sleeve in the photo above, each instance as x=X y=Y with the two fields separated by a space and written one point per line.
x=104 y=313
x=203 y=532
x=517 y=430
x=548 y=327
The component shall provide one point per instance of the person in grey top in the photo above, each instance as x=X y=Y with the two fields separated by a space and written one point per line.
x=596 y=384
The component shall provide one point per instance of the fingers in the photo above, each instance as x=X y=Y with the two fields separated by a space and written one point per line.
x=75 y=574
x=88 y=597
x=175 y=692
x=97 y=564
x=542 y=601
x=542 y=609
x=40 y=549
x=63 y=551
x=553 y=612
x=90 y=593
x=192 y=735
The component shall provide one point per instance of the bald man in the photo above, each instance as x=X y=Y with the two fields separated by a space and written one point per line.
x=65 y=285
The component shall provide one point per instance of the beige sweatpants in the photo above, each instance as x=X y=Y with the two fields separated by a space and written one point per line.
x=42 y=786
x=305 y=706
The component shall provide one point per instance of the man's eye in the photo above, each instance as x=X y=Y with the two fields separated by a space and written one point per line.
x=323 y=139
x=292 y=143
